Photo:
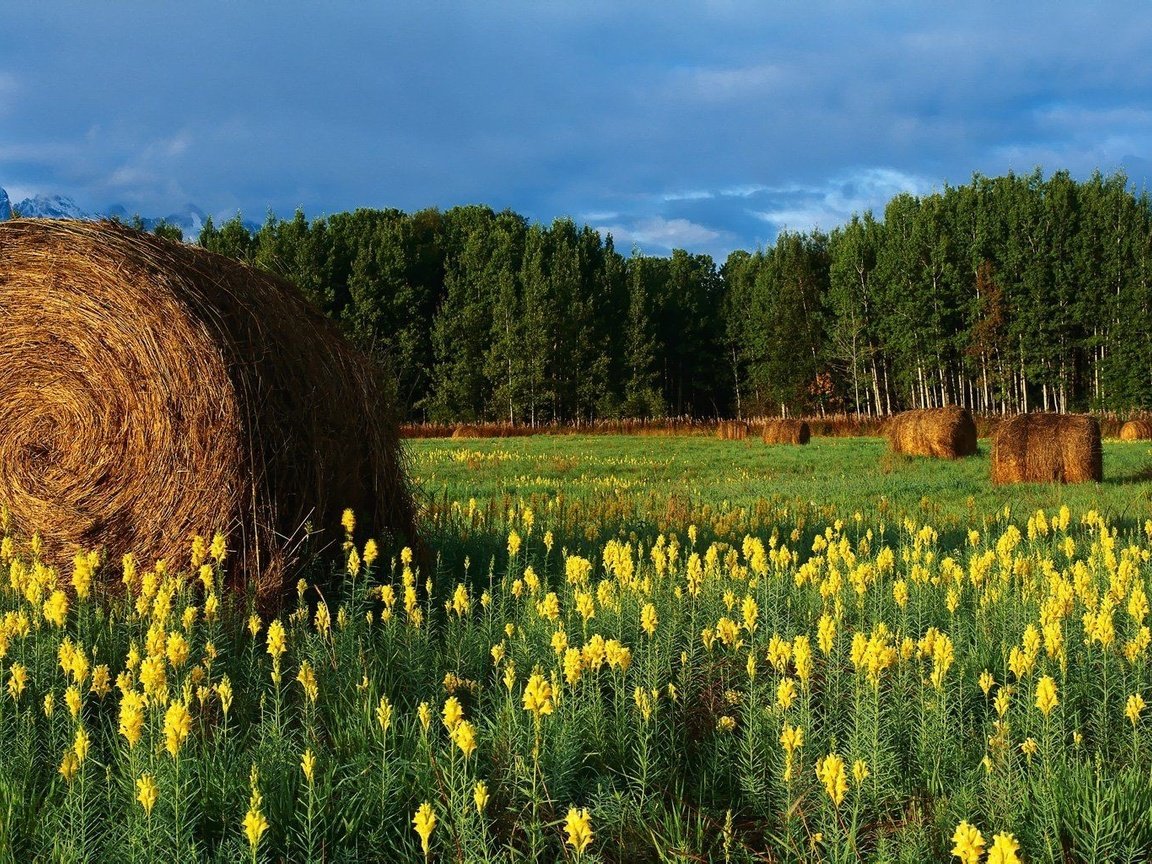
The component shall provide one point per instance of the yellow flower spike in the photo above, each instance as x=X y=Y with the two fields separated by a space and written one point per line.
x=219 y=548
x=147 y=793
x=425 y=823
x=177 y=726
x=308 y=765
x=578 y=826
x=73 y=700
x=480 y=796
x=348 y=521
x=224 y=692
x=538 y=696
x=254 y=625
x=17 y=680
x=860 y=771
x=424 y=712
x=277 y=639
x=453 y=713
x=132 y=717
x=1134 y=708
x=56 y=608
x=1046 y=699
x=81 y=744
x=986 y=682
x=254 y=822
x=830 y=771
x=1004 y=849
x=649 y=620
x=464 y=737
x=307 y=680
x=785 y=693
x=384 y=714
x=69 y=765
x=967 y=843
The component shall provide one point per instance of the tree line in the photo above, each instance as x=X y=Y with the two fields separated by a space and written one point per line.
x=1011 y=293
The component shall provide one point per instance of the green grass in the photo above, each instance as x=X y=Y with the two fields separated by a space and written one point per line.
x=739 y=550
x=830 y=477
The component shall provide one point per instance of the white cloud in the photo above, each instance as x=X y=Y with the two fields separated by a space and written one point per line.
x=662 y=233
x=826 y=205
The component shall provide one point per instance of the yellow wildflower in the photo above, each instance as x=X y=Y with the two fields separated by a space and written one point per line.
x=830 y=771
x=425 y=823
x=480 y=796
x=968 y=844
x=1133 y=708
x=177 y=725
x=538 y=696
x=453 y=713
x=648 y=619
x=578 y=826
x=147 y=792
x=464 y=737
x=1046 y=699
x=1004 y=849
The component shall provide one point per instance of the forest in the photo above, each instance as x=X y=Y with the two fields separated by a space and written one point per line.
x=1012 y=293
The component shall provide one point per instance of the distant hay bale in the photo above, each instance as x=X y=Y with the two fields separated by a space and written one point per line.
x=786 y=432
x=1047 y=448
x=946 y=433
x=467 y=430
x=1136 y=430
x=732 y=430
x=150 y=391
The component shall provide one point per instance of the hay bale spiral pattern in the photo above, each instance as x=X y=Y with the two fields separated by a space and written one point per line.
x=1136 y=430
x=151 y=390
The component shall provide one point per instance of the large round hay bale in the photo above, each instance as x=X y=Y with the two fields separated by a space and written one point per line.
x=1047 y=448
x=786 y=432
x=1136 y=430
x=467 y=430
x=946 y=433
x=732 y=430
x=150 y=391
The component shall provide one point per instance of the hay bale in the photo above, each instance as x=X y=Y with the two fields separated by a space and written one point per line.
x=786 y=432
x=467 y=430
x=150 y=391
x=1136 y=430
x=1047 y=448
x=732 y=430
x=945 y=433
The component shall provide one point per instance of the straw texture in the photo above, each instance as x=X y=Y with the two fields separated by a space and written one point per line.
x=946 y=433
x=1047 y=448
x=150 y=391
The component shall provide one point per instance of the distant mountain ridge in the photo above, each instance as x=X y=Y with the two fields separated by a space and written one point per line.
x=190 y=220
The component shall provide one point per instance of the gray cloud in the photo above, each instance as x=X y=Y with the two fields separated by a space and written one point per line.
x=709 y=125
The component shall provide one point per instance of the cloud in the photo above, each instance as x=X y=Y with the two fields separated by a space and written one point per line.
x=707 y=125
x=661 y=233
x=833 y=202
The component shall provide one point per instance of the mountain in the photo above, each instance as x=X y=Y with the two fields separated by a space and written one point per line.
x=189 y=220
x=50 y=207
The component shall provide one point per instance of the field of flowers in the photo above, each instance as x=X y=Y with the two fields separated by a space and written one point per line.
x=627 y=650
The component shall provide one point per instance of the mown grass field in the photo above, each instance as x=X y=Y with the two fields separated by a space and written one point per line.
x=641 y=649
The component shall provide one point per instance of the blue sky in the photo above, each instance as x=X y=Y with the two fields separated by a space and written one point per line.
x=709 y=126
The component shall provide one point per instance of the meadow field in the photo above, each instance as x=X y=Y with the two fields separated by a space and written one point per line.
x=632 y=649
